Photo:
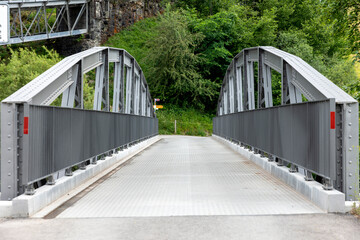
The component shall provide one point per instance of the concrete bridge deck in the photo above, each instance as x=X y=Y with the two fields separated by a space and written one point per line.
x=188 y=176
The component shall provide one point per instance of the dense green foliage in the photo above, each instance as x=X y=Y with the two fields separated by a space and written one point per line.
x=23 y=66
x=185 y=52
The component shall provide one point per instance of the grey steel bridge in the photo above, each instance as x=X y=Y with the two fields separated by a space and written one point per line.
x=314 y=132
x=32 y=20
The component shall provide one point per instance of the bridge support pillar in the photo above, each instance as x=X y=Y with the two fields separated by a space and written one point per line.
x=68 y=172
x=280 y=162
x=328 y=184
x=30 y=190
x=308 y=176
x=293 y=168
x=82 y=166
x=50 y=180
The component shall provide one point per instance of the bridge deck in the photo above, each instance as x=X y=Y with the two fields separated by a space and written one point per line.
x=180 y=176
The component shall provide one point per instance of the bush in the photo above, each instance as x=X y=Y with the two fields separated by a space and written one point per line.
x=22 y=67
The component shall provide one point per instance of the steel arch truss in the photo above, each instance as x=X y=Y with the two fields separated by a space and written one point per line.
x=240 y=92
x=38 y=20
x=66 y=78
x=29 y=125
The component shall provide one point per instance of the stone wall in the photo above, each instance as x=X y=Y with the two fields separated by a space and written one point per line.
x=106 y=18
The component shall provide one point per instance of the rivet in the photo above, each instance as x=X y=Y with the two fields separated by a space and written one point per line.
x=9 y=111
x=349 y=124
x=9 y=136
x=350 y=149
x=9 y=187
x=350 y=162
x=350 y=174
x=350 y=187
x=350 y=136
x=9 y=123
x=9 y=161
x=9 y=174
x=349 y=110
x=9 y=148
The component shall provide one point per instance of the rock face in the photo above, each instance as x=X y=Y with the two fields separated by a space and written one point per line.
x=107 y=17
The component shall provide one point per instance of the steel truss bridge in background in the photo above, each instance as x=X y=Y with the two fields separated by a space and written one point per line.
x=38 y=140
x=319 y=136
x=32 y=20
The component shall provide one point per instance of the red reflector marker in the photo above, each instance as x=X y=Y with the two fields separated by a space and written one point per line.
x=332 y=120
x=26 y=125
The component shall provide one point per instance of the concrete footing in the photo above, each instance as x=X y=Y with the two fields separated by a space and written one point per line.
x=329 y=201
x=27 y=205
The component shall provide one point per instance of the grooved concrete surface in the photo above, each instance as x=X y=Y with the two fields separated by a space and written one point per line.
x=189 y=176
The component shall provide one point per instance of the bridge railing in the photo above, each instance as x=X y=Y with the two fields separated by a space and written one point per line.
x=58 y=138
x=301 y=134
x=248 y=85
x=38 y=140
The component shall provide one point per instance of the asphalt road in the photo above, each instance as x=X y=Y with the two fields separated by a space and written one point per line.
x=312 y=226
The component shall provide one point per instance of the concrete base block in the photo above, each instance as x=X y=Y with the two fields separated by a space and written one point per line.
x=349 y=205
x=26 y=205
x=329 y=201
x=5 y=208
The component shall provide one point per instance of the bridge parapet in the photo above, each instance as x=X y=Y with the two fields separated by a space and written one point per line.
x=332 y=143
x=38 y=139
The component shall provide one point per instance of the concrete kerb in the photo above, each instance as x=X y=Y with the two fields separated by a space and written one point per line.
x=330 y=201
x=27 y=205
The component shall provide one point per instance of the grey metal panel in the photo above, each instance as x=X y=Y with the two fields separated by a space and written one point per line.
x=63 y=137
x=297 y=133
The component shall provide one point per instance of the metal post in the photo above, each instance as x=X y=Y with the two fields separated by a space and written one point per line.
x=68 y=172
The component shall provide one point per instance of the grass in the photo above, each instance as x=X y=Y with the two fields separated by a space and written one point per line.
x=189 y=121
x=356 y=210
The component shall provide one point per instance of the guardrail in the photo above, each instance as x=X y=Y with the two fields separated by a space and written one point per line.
x=56 y=138
x=302 y=134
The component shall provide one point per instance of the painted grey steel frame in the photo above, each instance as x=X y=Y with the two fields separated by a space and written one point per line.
x=66 y=79
x=32 y=20
x=299 y=81
x=298 y=133
x=63 y=137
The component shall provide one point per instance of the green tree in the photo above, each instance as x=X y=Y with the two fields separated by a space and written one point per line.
x=173 y=73
x=23 y=66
